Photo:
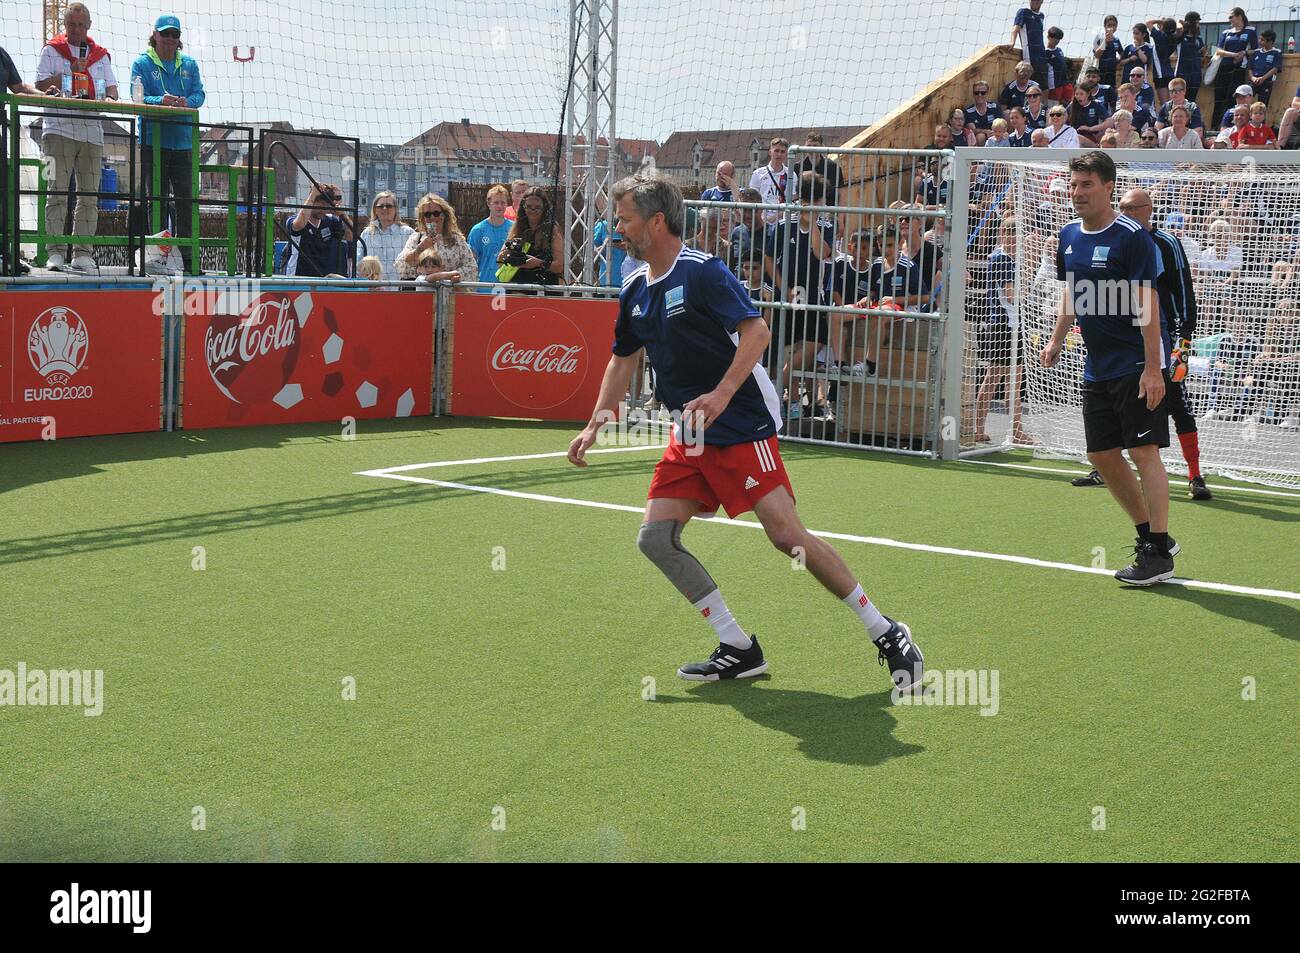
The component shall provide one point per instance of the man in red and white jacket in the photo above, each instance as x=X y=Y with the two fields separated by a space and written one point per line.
x=74 y=144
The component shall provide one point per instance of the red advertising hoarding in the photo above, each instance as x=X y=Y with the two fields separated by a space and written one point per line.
x=78 y=363
x=298 y=356
x=534 y=357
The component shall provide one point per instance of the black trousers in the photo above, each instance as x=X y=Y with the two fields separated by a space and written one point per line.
x=177 y=195
x=1227 y=80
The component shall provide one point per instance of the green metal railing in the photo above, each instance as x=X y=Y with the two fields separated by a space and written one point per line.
x=16 y=104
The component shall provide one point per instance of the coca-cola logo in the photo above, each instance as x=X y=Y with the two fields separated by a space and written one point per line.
x=537 y=358
x=252 y=355
x=552 y=359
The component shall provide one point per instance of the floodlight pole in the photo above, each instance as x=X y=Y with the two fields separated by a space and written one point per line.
x=589 y=168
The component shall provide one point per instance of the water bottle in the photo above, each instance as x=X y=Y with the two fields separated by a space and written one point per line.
x=101 y=90
x=65 y=82
x=137 y=90
x=1290 y=44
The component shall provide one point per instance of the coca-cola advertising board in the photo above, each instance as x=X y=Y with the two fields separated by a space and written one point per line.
x=298 y=356
x=530 y=357
x=78 y=363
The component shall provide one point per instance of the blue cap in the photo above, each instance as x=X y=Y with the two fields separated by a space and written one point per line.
x=167 y=21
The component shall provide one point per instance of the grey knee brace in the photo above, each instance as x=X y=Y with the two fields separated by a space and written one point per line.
x=661 y=541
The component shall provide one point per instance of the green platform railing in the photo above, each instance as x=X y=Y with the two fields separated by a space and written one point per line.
x=16 y=104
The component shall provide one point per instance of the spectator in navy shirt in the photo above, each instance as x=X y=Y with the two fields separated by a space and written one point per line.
x=1164 y=34
x=1244 y=95
x=1191 y=54
x=1265 y=66
x=724 y=187
x=1014 y=93
x=1087 y=116
x=1142 y=117
x=319 y=236
x=1035 y=109
x=1099 y=90
x=1144 y=91
x=1108 y=49
x=724 y=177
x=1178 y=96
x=1235 y=45
x=981 y=113
x=1058 y=87
x=961 y=135
x=1019 y=134
x=1133 y=56
x=1029 y=30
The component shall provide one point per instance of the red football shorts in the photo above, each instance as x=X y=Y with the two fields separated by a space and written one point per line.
x=735 y=477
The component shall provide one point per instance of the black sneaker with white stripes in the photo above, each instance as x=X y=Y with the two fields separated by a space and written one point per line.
x=727 y=661
x=906 y=663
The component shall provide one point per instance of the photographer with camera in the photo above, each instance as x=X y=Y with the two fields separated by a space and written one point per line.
x=437 y=230
x=533 y=254
x=318 y=236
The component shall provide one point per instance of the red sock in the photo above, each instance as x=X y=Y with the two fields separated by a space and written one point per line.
x=1191 y=453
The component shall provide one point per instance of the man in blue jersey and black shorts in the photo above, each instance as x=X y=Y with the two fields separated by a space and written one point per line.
x=704 y=337
x=1109 y=264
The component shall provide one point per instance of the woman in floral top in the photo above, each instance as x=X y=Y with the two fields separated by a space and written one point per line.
x=437 y=229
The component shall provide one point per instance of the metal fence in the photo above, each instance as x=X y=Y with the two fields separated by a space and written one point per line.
x=854 y=292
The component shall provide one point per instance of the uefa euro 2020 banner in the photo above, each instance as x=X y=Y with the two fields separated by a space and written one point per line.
x=529 y=357
x=79 y=363
x=297 y=356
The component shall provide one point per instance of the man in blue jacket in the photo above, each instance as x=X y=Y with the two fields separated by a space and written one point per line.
x=169 y=78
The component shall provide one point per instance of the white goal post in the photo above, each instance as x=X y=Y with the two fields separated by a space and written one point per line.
x=1237 y=215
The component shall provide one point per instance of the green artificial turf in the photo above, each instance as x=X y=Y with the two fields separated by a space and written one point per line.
x=516 y=694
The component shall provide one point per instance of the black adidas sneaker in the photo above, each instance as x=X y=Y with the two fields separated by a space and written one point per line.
x=906 y=663
x=1149 y=566
x=727 y=661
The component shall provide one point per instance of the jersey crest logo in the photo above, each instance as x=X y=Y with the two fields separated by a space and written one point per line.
x=674 y=297
x=1099 y=254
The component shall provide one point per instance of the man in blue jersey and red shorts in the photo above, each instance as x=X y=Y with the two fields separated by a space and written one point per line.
x=1110 y=264
x=705 y=337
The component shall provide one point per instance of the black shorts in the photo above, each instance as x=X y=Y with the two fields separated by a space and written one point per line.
x=995 y=344
x=1114 y=416
x=1162 y=82
x=804 y=326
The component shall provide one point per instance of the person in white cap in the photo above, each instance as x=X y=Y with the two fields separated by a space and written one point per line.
x=1244 y=96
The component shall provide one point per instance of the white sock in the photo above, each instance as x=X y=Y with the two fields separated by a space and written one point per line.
x=715 y=610
x=877 y=625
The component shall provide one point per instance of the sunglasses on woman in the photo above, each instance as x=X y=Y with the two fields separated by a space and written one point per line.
x=386 y=206
x=436 y=213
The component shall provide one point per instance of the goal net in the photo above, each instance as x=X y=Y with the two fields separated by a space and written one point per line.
x=1238 y=219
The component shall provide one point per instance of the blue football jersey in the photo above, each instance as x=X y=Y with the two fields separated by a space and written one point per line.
x=686 y=320
x=1102 y=270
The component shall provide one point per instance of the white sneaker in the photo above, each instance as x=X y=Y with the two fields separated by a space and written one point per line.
x=83 y=263
x=55 y=261
x=859 y=369
x=1215 y=415
x=1291 y=423
x=160 y=267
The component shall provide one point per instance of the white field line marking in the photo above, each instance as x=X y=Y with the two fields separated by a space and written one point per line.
x=848 y=537
x=1215 y=489
x=385 y=471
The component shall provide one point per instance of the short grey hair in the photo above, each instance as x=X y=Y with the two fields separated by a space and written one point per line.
x=1123 y=114
x=652 y=193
